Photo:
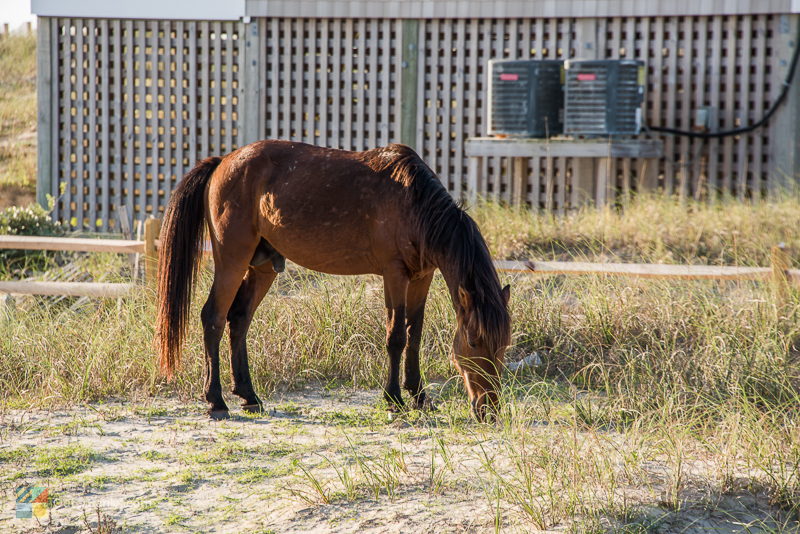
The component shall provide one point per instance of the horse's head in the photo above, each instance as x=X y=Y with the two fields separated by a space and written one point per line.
x=482 y=334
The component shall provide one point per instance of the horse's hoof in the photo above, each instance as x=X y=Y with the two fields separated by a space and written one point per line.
x=426 y=406
x=253 y=408
x=219 y=415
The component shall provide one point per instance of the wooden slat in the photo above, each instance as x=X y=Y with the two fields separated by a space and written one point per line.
x=459 y=110
x=80 y=118
x=337 y=77
x=359 y=98
x=535 y=197
x=56 y=113
x=347 y=94
x=298 y=80
x=130 y=105
x=180 y=108
x=657 y=97
x=561 y=186
x=636 y=270
x=743 y=167
x=687 y=45
x=231 y=92
x=311 y=95
x=671 y=116
x=325 y=43
x=286 y=60
x=122 y=246
x=372 y=94
x=698 y=98
x=728 y=109
x=274 y=74
x=193 y=90
x=445 y=109
x=140 y=137
x=151 y=138
x=216 y=106
x=69 y=289
x=117 y=121
x=94 y=182
x=387 y=51
x=598 y=148
x=760 y=81
x=714 y=73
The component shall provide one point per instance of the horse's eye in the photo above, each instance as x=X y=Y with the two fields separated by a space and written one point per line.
x=471 y=344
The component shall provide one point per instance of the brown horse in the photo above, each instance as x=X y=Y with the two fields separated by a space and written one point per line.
x=381 y=211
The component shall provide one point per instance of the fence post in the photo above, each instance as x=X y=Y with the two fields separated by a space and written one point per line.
x=152 y=228
x=408 y=83
x=785 y=128
x=250 y=88
x=780 y=276
x=44 y=91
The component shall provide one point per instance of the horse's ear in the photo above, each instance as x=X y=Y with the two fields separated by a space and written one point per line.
x=506 y=294
x=464 y=298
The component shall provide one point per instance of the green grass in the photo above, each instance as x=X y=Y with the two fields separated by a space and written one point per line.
x=45 y=462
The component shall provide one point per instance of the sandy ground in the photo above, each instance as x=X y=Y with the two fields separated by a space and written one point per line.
x=320 y=461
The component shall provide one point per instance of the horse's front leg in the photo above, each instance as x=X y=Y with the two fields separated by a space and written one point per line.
x=395 y=285
x=416 y=297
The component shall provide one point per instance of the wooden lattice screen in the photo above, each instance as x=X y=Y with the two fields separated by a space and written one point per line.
x=136 y=103
x=331 y=82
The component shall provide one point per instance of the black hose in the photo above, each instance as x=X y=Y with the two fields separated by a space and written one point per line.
x=744 y=129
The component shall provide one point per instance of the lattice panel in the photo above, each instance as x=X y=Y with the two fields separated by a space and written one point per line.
x=136 y=104
x=332 y=82
x=726 y=62
x=453 y=84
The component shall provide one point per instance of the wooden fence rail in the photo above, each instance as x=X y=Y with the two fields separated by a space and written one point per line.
x=778 y=272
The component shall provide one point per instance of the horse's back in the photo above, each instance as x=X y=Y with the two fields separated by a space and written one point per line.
x=329 y=210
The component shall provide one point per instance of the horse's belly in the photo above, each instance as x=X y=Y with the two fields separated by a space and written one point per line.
x=325 y=251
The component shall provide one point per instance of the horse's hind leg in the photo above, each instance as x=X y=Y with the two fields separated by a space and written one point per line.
x=255 y=285
x=230 y=266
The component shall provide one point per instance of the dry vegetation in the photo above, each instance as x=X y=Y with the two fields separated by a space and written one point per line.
x=660 y=405
x=17 y=119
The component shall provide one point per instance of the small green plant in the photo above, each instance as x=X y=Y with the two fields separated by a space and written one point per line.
x=33 y=220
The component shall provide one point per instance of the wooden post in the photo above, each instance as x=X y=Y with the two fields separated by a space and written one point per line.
x=44 y=92
x=784 y=127
x=152 y=228
x=408 y=83
x=250 y=88
x=780 y=275
x=583 y=175
x=519 y=189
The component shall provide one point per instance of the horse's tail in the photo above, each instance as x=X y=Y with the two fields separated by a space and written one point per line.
x=181 y=249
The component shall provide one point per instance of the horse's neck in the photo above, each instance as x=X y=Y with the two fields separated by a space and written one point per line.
x=453 y=279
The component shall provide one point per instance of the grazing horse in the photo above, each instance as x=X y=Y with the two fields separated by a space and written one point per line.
x=382 y=211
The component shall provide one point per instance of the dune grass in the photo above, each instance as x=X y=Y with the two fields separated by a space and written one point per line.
x=650 y=229
x=18 y=111
x=702 y=377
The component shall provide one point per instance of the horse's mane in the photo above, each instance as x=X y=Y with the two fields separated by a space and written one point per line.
x=450 y=239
